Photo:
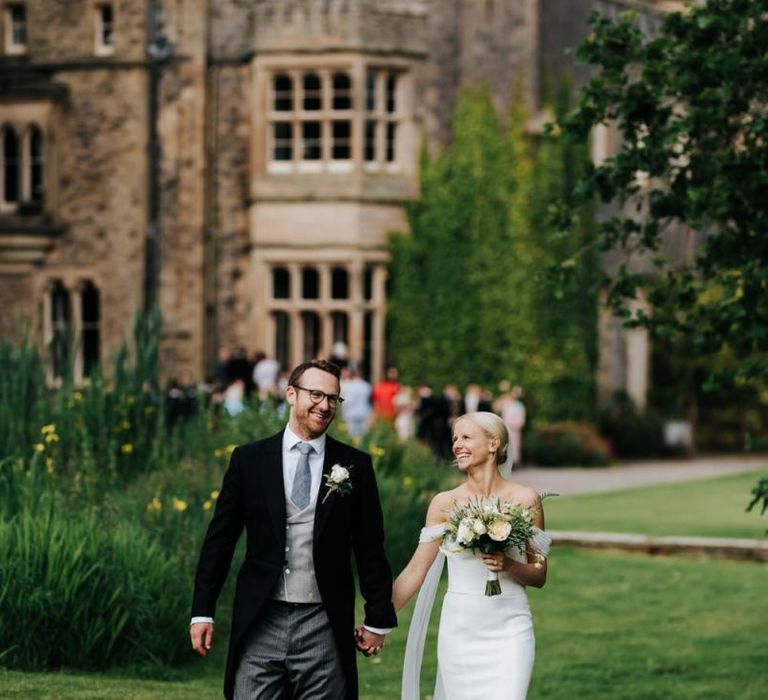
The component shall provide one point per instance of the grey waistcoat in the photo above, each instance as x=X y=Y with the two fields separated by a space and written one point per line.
x=298 y=583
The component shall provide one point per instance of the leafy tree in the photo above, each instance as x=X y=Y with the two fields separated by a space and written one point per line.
x=467 y=302
x=690 y=104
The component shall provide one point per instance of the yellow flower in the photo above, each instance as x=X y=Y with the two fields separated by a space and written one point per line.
x=377 y=451
x=179 y=505
x=124 y=425
x=218 y=453
x=149 y=410
x=214 y=495
x=356 y=440
x=155 y=505
x=51 y=437
x=50 y=428
x=229 y=449
x=127 y=448
x=408 y=481
x=208 y=505
x=77 y=396
x=131 y=400
x=49 y=465
x=39 y=447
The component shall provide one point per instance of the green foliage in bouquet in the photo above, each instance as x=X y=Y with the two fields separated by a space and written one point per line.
x=489 y=526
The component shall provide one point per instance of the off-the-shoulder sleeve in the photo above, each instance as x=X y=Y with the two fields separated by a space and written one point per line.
x=541 y=541
x=432 y=533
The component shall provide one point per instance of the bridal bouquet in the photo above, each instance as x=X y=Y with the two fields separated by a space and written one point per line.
x=488 y=525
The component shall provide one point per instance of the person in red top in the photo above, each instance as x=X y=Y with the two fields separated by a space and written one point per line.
x=383 y=395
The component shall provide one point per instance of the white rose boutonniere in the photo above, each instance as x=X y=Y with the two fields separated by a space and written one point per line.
x=337 y=480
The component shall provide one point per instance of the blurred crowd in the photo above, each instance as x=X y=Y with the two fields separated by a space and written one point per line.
x=414 y=411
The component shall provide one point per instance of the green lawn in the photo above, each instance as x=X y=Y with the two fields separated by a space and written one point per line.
x=708 y=508
x=609 y=626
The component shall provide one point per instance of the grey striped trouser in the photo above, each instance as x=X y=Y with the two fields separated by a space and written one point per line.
x=290 y=653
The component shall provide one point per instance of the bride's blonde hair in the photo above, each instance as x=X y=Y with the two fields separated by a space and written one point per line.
x=493 y=427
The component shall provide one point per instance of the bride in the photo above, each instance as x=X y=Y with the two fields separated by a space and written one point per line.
x=485 y=645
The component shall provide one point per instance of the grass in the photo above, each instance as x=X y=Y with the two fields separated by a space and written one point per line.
x=609 y=626
x=706 y=508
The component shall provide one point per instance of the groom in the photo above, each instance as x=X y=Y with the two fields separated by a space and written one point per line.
x=293 y=618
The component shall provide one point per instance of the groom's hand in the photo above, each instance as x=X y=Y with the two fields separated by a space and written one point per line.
x=369 y=643
x=201 y=634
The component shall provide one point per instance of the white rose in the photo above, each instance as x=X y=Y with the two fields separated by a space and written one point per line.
x=499 y=530
x=478 y=526
x=464 y=534
x=338 y=474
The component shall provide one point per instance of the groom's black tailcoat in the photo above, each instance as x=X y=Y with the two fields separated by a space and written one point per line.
x=253 y=496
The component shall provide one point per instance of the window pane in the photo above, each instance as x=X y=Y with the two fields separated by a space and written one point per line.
x=283 y=93
x=342 y=148
x=368 y=283
x=310 y=322
x=18 y=25
x=340 y=322
x=342 y=91
x=311 y=147
x=10 y=165
x=282 y=339
x=370 y=92
x=36 y=164
x=281 y=283
x=90 y=313
x=339 y=283
x=60 y=315
x=391 y=134
x=370 y=141
x=310 y=283
x=106 y=22
x=312 y=92
x=391 y=92
x=282 y=148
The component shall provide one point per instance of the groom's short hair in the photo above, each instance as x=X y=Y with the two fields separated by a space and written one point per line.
x=324 y=365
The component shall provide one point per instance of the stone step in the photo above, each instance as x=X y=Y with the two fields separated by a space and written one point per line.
x=719 y=547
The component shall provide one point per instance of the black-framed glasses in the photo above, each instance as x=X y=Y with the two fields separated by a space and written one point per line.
x=316 y=396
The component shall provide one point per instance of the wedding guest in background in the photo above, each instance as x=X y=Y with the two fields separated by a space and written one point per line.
x=265 y=371
x=356 y=410
x=510 y=407
x=383 y=395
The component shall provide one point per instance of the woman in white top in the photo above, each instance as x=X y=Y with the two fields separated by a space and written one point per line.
x=485 y=643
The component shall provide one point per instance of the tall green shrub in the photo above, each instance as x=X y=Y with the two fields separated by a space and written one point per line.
x=469 y=301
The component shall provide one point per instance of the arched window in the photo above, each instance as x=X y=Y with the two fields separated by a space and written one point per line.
x=310 y=283
x=90 y=315
x=312 y=331
x=342 y=91
x=339 y=283
x=61 y=315
x=313 y=93
x=35 y=161
x=281 y=283
x=282 y=93
x=10 y=165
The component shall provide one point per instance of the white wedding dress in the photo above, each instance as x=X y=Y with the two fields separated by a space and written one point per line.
x=485 y=646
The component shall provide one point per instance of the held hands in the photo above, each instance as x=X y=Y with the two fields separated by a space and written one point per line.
x=201 y=634
x=367 y=642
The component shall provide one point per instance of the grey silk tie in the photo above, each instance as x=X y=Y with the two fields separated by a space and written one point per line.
x=302 y=480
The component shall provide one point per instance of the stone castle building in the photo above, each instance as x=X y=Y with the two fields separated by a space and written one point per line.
x=241 y=162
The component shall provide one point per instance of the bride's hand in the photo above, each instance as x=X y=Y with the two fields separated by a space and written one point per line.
x=494 y=562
